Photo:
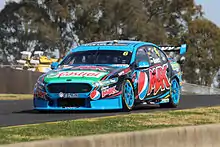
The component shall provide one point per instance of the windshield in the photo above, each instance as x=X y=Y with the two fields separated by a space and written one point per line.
x=98 y=57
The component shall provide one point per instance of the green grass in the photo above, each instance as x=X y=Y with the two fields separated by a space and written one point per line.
x=15 y=96
x=122 y=123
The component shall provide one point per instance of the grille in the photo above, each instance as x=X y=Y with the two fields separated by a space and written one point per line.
x=77 y=102
x=69 y=88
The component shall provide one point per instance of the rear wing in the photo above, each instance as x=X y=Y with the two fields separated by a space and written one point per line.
x=175 y=52
x=177 y=49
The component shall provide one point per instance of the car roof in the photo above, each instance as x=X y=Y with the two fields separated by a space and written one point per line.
x=124 y=45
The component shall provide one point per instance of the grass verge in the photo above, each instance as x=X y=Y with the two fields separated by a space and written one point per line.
x=15 y=96
x=131 y=122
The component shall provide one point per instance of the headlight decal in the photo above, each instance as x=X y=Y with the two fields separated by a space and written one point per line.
x=40 y=94
x=105 y=82
x=39 y=88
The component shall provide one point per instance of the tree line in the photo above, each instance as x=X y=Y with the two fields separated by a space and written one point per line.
x=58 y=24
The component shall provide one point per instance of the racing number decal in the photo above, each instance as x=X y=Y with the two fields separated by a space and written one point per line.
x=158 y=79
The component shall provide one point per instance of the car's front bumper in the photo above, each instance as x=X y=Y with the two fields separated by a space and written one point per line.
x=84 y=104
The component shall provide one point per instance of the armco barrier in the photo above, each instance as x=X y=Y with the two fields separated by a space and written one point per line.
x=194 y=136
x=17 y=81
x=201 y=90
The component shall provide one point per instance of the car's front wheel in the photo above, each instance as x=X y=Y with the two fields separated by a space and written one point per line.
x=128 y=97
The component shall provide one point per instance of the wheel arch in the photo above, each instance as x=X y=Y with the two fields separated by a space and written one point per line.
x=175 y=77
x=135 y=90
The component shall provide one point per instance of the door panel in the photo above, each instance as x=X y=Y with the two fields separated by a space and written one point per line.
x=151 y=82
x=157 y=73
x=159 y=82
x=141 y=77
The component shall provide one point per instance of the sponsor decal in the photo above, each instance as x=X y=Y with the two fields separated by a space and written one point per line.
x=134 y=77
x=68 y=95
x=119 y=65
x=158 y=79
x=175 y=66
x=168 y=48
x=77 y=74
x=155 y=61
x=124 y=72
x=109 y=91
x=142 y=85
x=156 y=51
x=91 y=67
x=165 y=100
x=40 y=94
x=94 y=95
x=104 y=88
x=104 y=44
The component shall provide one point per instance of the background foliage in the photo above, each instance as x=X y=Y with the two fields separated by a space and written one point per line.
x=58 y=24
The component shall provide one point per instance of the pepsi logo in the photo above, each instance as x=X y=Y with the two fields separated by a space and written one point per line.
x=94 y=95
x=142 y=85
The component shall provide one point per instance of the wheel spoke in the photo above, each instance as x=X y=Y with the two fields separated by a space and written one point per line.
x=175 y=91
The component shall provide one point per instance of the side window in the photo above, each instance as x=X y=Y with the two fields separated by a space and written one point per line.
x=141 y=55
x=163 y=56
x=154 y=55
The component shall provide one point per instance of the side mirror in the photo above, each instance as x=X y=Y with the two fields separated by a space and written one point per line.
x=182 y=60
x=142 y=64
x=54 y=65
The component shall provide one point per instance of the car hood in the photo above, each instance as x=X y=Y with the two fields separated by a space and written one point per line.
x=81 y=73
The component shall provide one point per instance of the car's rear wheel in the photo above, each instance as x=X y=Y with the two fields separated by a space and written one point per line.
x=128 y=97
x=175 y=92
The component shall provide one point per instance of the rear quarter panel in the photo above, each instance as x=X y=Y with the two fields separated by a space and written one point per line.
x=177 y=71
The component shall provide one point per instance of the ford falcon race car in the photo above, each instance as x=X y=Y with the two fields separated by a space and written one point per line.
x=111 y=75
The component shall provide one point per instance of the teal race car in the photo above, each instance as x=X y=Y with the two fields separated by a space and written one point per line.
x=109 y=75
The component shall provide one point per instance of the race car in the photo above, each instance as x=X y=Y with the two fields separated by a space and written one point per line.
x=109 y=75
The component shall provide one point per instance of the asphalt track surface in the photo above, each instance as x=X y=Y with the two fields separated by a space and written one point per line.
x=20 y=112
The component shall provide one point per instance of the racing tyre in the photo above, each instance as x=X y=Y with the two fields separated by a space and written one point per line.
x=128 y=97
x=175 y=92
